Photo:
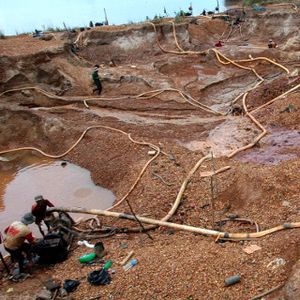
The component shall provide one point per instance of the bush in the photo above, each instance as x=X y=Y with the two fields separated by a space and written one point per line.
x=2 y=35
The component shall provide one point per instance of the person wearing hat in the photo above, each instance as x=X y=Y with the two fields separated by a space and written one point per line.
x=39 y=211
x=96 y=80
x=15 y=240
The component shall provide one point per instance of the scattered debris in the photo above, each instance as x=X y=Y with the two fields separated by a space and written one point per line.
x=152 y=152
x=251 y=249
x=43 y=295
x=124 y=261
x=2 y=158
x=262 y=295
x=86 y=243
x=71 y=285
x=99 y=277
x=290 y=108
x=232 y=280
x=131 y=264
x=87 y=257
x=99 y=250
x=51 y=285
x=163 y=180
x=277 y=262
x=108 y=264
x=286 y=203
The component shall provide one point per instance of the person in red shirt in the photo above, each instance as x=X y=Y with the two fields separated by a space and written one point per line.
x=39 y=211
x=15 y=240
x=218 y=44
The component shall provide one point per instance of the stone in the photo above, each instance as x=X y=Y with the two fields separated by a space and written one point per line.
x=63 y=292
x=251 y=248
x=277 y=262
x=286 y=203
x=51 y=285
x=44 y=295
x=26 y=93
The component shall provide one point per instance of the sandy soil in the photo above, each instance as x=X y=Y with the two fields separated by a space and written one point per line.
x=262 y=184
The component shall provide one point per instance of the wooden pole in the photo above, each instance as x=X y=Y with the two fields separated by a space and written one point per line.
x=106 y=20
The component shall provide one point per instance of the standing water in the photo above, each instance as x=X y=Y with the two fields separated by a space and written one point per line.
x=25 y=175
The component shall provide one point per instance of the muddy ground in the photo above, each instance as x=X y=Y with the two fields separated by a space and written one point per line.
x=262 y=184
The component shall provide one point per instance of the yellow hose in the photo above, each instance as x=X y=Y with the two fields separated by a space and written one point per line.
x=264 y=131
x=193 y=170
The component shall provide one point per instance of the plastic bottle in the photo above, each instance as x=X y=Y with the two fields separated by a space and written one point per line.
x=87 y=257
x=107 y=265
x=85 y=243
x=131 y=264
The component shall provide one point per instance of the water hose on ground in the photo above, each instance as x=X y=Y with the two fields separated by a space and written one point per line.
x=257 y=139
x=277 y=98
x=172 y=51
x=244 y=94
x=178 y=198
x=179 y=195
x=200 y=230
x=146 y=95
x=154 y=93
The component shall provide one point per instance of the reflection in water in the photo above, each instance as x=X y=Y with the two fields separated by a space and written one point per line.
x=26 y=176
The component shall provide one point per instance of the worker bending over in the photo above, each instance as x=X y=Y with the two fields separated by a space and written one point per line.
x=15 y=240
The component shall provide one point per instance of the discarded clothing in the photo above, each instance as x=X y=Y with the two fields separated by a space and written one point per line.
x=71 y=285
x=99 y=277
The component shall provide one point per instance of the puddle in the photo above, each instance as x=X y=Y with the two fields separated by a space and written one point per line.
x=27 y=175
x=279 y=145
x=224 y=138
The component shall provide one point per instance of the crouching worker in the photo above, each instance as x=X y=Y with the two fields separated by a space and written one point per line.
x=15 y=240
x=39 y=210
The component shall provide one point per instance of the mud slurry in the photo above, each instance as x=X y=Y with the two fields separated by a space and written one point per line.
x=262 y=184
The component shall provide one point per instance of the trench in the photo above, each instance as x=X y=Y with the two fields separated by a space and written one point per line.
x=23 y=176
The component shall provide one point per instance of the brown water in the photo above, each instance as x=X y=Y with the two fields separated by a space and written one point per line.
x=25 y=175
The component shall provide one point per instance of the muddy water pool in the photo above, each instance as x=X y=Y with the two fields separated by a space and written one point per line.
x=279 y=145
x=25 y=175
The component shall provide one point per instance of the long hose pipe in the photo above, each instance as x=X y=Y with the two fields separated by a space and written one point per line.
x=178 y=198
x=200 y=230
